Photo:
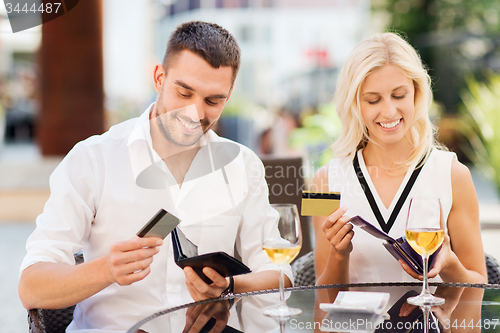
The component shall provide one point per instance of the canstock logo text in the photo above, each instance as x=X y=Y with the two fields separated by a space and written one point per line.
x=26 y=14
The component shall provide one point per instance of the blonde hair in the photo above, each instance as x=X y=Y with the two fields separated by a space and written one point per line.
x=368 y=55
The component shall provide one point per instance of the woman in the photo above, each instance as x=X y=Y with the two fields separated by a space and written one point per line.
x=383 y=97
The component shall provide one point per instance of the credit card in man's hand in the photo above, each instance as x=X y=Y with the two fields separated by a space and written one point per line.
x=319 y=203
x=160 y=225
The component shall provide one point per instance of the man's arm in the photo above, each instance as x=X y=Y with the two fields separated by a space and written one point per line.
x=49 y=285
x=199 y=290
x=258 y=281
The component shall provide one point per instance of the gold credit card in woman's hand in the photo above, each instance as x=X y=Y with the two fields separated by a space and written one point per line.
x=319 y=203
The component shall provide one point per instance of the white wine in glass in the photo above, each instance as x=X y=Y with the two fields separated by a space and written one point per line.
x=281 y=254
x=425 y=241
x=282 y=245
x=425 y=234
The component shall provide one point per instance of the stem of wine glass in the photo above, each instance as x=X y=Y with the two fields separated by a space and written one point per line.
x=425 y=290
x=282 y=325
x=426 y=311
x=282 y=286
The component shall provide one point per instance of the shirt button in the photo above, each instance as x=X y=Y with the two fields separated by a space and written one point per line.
x=176 y=315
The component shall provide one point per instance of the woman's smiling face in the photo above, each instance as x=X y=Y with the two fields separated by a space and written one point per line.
x=387 y=104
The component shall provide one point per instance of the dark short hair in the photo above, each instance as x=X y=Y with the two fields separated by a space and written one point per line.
x=208 y=40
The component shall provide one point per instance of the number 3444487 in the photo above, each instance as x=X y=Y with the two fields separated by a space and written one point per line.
x=48 y=7
x=482 y=323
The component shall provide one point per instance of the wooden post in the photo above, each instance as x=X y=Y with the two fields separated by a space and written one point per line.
x=71 y=70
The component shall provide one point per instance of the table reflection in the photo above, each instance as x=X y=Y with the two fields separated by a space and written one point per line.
x=246 y=315
x=461 y=305
x=467 y=309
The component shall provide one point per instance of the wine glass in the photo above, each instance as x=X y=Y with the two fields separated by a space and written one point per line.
x=425 y=234
x=282 y=245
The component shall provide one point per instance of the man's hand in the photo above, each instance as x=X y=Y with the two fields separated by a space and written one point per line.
x=129 y=261
x=47 y=285
x=198 y=316
x=199 y=290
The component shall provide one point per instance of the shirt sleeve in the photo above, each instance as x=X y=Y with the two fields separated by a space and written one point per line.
x=64 y=226
x=257 y=216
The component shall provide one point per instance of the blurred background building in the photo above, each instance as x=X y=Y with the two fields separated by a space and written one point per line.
x=18 y=82
x=291 y=51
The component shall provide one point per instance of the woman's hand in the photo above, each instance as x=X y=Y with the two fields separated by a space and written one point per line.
x=443 y=259
x=442 y=312
x=339 y=231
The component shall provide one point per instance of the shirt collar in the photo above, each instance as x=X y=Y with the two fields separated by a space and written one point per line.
x=141 y=130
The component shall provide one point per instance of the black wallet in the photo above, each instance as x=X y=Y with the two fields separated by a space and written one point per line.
x=208 y=326
x=399 y=248
x=186 y=254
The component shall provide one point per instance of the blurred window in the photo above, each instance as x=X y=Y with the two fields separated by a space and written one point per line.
x=231 y=3
x=267 y=3
x=179 y=7
x=267 y=34
x=194 y=4
x=245 y=33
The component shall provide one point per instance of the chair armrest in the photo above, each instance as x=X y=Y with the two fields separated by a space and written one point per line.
x=49 y=321
x=34 y=321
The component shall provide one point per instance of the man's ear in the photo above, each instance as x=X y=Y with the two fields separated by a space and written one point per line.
x=159 y=76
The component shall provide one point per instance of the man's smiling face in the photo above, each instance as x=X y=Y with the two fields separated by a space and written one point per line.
x=191 y=97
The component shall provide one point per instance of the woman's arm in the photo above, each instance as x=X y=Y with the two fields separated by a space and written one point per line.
x=465 y=257
x=461 y=258
x=332 y=247
x=332 y=240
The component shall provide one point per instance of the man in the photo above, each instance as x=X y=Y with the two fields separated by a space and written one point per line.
x=109 y=186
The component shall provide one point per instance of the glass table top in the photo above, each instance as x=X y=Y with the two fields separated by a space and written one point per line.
x=468 y=308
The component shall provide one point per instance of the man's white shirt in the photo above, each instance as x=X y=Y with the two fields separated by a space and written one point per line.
x=110 y=185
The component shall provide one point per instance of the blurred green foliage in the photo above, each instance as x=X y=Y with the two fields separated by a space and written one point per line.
x=480 y=124
x=238 y=106
x=490 y=315
x=318 y=131
x=417 y=16
x=453 y=37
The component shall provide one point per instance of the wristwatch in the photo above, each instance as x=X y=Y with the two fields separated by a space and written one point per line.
x=229 y=291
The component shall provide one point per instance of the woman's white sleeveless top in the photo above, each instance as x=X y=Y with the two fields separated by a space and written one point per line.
x=369 y=260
